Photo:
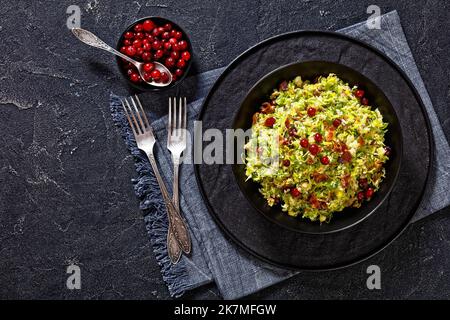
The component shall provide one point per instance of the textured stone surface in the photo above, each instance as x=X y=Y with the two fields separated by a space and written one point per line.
x=65 y=194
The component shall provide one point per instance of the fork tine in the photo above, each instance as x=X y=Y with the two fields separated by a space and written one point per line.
x=180 y=117
x=129 y=115
x=138 y=115
x=144 y=116
x=171 y=115
x=184 y=114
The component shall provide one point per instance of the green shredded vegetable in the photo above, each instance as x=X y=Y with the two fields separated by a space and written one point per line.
x=352 y=143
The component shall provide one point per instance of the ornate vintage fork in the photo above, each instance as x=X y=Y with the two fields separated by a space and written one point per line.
x=145 y=141
x=176 y=142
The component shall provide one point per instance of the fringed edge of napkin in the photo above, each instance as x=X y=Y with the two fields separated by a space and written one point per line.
x=147 y=190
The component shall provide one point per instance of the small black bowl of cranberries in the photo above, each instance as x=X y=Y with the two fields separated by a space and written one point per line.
x=155 y=39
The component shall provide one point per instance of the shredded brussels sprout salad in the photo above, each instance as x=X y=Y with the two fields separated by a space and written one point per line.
x=317 y=148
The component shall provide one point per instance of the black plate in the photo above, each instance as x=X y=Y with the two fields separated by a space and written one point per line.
x=309 y=70
x=270 y=242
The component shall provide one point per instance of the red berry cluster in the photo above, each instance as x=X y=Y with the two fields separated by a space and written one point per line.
x=148 y=42
x=367 y=192
x=359 y=93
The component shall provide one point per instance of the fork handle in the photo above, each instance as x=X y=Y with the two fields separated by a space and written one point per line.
x=176 y=222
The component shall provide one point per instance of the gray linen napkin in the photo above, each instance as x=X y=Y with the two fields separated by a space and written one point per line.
x=213 y=257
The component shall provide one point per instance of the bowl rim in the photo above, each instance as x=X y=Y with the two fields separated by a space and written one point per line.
x=374 y=209
x=153 y=88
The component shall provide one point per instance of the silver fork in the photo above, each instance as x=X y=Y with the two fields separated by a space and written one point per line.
x=145 y=141
x=176 y=141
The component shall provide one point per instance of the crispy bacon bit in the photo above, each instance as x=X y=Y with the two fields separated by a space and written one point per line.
x=339 y=146
x=323 y=205
x=319 y=177
x=313 y=201
x=287 y=123
x=267 y=108
x=330 y=135
x=346 y=157
x=283 y=86
x=255 y=118
x=283 y=141
x=361 y=141
x=316 y=92
x=345 y=180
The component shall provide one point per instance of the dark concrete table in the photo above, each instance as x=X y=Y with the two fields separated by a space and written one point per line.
x=65 y=192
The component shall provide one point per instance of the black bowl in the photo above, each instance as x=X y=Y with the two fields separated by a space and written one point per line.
x=310 y=70
x=160 y=22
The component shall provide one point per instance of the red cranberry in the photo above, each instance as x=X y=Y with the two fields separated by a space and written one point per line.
x=165 y=35
x=128 y=35
x=181 y=63
x=293 y=132
x=175 y=47
x=155 y=32
x=161 y=30
x=314 y=149
x=325 y=160
x=164 y=77
x=318 y=137
x=363 y=183
x=138 y=28
x=158 y=54
x=148 y=67
x=134 y=77
x=186 y=55
x=360 y=196
x=178 y=73
x=304 y=143
x=149 y=37
x=269 y=122
x=156 y=44
x=170 y=62
x=286 y=163
x=131 y=51
x=123 y=50
x=182 y=45
x=156 y=74
x=137 y=43
x=178 y=35
x=146 y=56
x=147 y=77
x=311 y=111
x=359 y=93
x=167 y=27
x=175 y=55
x=148 y=25
x=146 y=46
x=369 y=193
x=387 y=151
x=172 y=32
x=139 y=51
x=295 y=192
x=127 y=42
x=364 y=101
x=337 y=123
x=167 y=45
x=173 y=41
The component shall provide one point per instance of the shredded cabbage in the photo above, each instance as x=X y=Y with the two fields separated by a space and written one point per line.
x=290 y=174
